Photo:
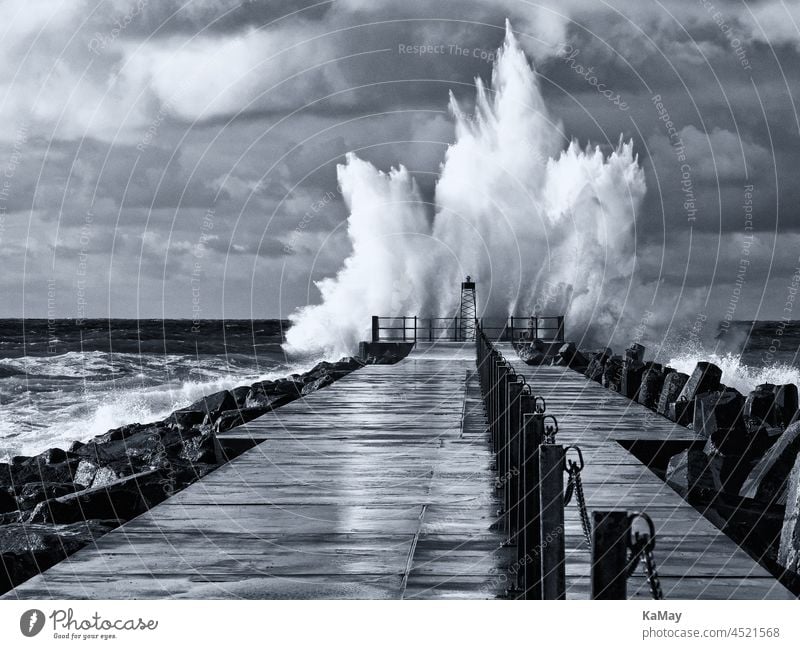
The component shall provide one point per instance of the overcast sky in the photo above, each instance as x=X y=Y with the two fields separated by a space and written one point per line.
x=168 y=158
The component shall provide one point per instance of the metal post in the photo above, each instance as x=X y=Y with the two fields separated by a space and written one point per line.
x=430 y=330
x=536 y=327
x=528 y=519
x=404 y=328
x=551 y=505
x=415 y=329
x=560 y=336
x=376 y=330
x=510 y=481
x=610 y=532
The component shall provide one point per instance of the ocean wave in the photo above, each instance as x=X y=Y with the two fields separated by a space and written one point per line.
x=736 y=373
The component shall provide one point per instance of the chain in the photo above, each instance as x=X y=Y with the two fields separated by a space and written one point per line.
x=641 y=546
x=651 y=573
x=575 y=485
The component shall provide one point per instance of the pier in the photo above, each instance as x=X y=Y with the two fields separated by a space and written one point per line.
x=385 y=485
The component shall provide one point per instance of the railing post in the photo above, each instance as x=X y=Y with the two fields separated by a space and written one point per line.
x=512 y=436
x=610 y=532
x=560 y=334
x=376 y=330
x=536 y=327
x=512 y=329
x=551 y=505
x=415 y=329
x=430 y=330
x=528 y=518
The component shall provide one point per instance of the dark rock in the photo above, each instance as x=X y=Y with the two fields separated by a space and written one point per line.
x=650 y=386
x=7 y=502
x=121 y=499
x=673 y=384
x=28 y=549
x=789 y=547
x=233 y=418
x=612 y=374
x=35 y=470
x=767 y=481
x=268 y=398
x=689 y=474
x=240 y=395
x=199 y=449
x=124 y=432
x=786 y=401
x=569 y=356
x=632 y=371
x=705 y=378
x=31 y=494
x=54 y=456
x=383 y=353
x=75 y=446
x=531 y=353
x=635 y=353
x=682 y=412
x=727 y=470
x=597 y=362
x=316 y=384
x=205 y=409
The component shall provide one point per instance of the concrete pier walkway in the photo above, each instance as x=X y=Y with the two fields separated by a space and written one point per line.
x=375 y=487
x=380 y=486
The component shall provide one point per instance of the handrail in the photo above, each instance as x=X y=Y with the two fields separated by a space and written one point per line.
x=513 y=328
x=530 y=467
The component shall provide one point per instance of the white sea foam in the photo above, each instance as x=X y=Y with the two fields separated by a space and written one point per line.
x=543 y=224
x=737 y=374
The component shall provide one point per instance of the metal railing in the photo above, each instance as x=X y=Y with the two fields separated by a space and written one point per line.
x=514 y=328
x=530 y=469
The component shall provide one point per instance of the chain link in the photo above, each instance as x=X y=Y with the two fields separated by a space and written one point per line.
x=575 y=485
x=641 y=546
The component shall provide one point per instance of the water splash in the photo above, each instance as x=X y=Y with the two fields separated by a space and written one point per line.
x=544 y=225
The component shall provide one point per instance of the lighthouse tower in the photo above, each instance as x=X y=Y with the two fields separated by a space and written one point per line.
x=468 y=311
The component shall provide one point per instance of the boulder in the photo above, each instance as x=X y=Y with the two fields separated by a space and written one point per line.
x=673 y=384
x=727 y=470
x=199 y=449
x=36 y=470
x=786 y=401
x=316 y=384
x=28 y=549
x=7 y=502
x=206 y=409
x=232 y=418
x=240 y=395
x=31 y=494
x=705 y=378
x=635 y=353
x=767 y=481
x=121 y=499
x=612 y=374
x=266 y=398
x=689 y=474
x=531 y=354
x=597 y=363
x=632 y=372
x=569 y=356
x=789 y=547
x=651 y=384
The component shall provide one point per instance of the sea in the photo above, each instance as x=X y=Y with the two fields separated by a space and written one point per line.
x=62 y=381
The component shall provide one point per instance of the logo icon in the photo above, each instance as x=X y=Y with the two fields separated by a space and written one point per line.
x=31 y=622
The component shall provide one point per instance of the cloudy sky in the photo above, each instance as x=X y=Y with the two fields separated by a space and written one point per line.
x=169 y=158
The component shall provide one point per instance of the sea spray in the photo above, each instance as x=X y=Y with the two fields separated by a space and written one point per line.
x=535 y=222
